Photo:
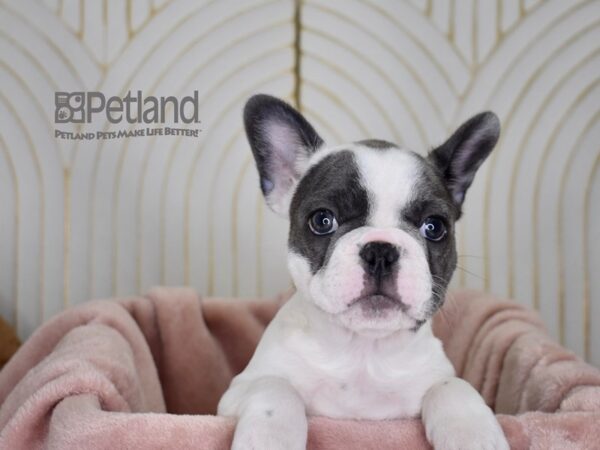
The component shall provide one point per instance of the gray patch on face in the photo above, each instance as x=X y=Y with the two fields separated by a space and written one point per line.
x=432 y=198
x=376 y=144
x=334 y=184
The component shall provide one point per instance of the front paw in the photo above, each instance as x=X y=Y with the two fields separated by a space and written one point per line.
x=268 y=433
x=478 y=430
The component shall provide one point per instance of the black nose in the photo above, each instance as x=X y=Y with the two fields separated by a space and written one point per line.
x=379 y=257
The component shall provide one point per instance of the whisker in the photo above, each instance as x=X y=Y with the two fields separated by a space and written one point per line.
x=470 y=256
x=470 y=273
x=443 y=280
x=447 y=307
x=441 y=311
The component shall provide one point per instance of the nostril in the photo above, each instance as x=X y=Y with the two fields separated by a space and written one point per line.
x=379 y=256
x=391 y=255
x=370 y=258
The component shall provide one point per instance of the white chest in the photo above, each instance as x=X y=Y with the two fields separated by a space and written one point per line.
x=359 y=396
x=339 y=375
x=369 y=386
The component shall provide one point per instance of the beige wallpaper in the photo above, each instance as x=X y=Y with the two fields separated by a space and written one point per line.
x=97 y=218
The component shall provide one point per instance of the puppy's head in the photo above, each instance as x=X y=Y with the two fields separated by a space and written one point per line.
x=371 y=238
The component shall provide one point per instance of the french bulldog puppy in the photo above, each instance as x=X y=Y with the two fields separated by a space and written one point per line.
x=371 y=251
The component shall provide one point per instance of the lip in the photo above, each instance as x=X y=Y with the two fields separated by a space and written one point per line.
x=379 y=302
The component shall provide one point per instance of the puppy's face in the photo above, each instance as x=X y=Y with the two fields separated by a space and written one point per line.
x=371 y=238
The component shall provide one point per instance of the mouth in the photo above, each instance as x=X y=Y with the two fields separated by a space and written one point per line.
x=378 y=312
x=378 y=303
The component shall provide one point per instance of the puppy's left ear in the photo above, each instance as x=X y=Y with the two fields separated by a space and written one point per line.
x=460 y=156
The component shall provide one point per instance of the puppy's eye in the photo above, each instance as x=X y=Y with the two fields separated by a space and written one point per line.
x=322 y=222
x=433 y=228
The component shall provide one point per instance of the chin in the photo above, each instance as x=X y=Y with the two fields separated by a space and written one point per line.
x=365 y=319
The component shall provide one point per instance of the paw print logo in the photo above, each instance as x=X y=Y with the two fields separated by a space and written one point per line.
x=69 y=107
x=64 y=114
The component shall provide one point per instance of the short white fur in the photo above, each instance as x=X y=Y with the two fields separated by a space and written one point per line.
x=315 y=359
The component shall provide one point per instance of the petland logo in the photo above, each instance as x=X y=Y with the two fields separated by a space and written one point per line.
x=85 y=107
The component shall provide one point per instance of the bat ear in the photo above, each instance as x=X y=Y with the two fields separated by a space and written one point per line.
x=463 y=153
x=281 y=140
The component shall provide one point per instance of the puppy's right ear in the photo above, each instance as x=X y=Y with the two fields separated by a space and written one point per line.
x=281 y=140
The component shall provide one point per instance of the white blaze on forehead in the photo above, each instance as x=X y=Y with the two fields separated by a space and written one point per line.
x=389 y=177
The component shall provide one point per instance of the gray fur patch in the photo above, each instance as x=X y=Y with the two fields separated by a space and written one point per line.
x=334 y=184
x=376 y=144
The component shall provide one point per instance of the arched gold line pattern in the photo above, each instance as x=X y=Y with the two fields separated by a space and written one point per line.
x=474 y=26
x=492 y=160
x=128 y=82
x=499 y=12
x=50 y=43
x=59 y=155
x=535 y=76
x=522 y=51
x=174 y=152
x=428 y=8
x=586 y=264
x=194 y=164
x=365 y=91
x=161 y=76
x=526 y=138
x=211 y=197
x=15 y=244
x=227 y=149
x=557 y=247
x=114 y=256
x=343 y=16
x=591 y=123
x=218 y=85
x=339 y=103
x=492 y=55
x=451 y=30
x=378 y=7
x=40 y=178
x=51 y=79
x=536 y=197
x=35 y=100
x=297 y=95
x=314 y=115
x=215 y=88
x=234 y=222
x=153 y=48
x=405 y=62
x=142 y=178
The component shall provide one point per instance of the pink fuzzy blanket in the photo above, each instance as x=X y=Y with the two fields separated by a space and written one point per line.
x=148 y=373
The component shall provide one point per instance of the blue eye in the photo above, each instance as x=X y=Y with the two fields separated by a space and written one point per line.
x=322 y=222
x=433 y=229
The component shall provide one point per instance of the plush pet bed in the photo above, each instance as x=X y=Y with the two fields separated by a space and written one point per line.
x=9 y=342
x=148 y=373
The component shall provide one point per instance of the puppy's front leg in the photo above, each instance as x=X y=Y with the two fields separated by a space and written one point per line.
x=271 y=414
x=456 y=417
